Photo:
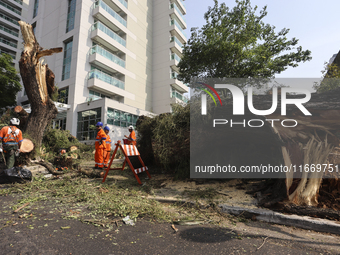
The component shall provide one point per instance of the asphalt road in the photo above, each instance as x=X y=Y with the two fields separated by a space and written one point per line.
x=43 y=230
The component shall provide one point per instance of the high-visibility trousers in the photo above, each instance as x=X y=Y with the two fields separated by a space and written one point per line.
x=106 y=158
x=99 y=158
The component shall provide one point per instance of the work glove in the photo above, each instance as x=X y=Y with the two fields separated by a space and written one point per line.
x=17 y=152
x=1 y=149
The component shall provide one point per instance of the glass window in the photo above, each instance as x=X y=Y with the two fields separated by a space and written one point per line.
x=129 y=117
x=70 y=15
x=34 y=26
x=63 y=95
x=59 y=124
x=134 y=119
x=35 y=8
x=120 y=118
x=67 y=60
x=86 y=126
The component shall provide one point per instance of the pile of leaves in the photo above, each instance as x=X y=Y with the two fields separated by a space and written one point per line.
x=56 y=139
x=164 y=141
x=91 y=196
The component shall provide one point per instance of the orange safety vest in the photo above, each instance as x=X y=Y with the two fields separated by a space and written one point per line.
x=108 y=143
x=101 y=136
x=132 y=138
x=11 y=135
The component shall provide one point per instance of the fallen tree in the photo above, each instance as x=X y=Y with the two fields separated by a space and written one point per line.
x=309 y=144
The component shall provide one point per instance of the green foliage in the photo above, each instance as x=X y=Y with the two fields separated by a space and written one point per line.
x=9 y=81
x=236 y=43
x=165 y=140
x=56 y=139
x=331 y=78
x=5 y=118
x=100 y=199
x=55 y=94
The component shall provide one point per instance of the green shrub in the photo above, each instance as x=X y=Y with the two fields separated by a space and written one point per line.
x=164 y=141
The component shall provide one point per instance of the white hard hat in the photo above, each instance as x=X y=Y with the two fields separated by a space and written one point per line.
x=15 y=121
x=131 y=127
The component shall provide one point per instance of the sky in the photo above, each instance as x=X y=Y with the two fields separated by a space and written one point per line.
x=315 y=23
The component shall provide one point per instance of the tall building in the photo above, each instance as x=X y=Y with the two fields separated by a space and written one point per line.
x=11 y=11
x=118 y=61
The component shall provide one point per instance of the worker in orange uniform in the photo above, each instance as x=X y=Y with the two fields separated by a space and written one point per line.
x=11 y=137
x=108 y=147
x=100 y=146
x=132 y=137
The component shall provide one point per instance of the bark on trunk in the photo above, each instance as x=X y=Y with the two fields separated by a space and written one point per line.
x=38 y=81
x=315 y=153
x=23 y=116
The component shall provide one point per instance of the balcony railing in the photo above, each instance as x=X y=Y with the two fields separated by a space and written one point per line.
x=174 y=38
x=109 y=32
x=174 y=56
x=175 y=94
x=12 y=55
x=174 y=22
x=124 y=3
x=3 y=40
x=110 y=11
x=18 y=1
x=101 y=51
x=174 y=6
x=9 y=31
x=9 y=19
x=174 y=75
x=92 y=98
x=10 y=8
x=106 y=78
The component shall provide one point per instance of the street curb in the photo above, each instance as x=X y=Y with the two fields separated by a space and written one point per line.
x=174 y=200
x=305 y=222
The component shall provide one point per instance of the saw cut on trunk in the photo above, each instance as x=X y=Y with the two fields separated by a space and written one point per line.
x=26 y=146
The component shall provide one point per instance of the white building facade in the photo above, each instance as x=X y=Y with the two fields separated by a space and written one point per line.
x=118 y=61
x=11 y=11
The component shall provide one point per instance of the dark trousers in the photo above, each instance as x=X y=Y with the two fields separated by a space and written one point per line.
x=9 y=151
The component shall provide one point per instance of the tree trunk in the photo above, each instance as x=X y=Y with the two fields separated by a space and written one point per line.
x=306 y=193
x=38 y=81
x=26 y=145
x=23 y=116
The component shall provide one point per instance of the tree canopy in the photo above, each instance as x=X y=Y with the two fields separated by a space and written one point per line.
x=331 y=78
x=236 y=43
x=9 y=81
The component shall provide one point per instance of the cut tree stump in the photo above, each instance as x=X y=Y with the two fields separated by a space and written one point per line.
x=20 y=111
x=22 y=115
x=26 y=146
x=73 y=148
